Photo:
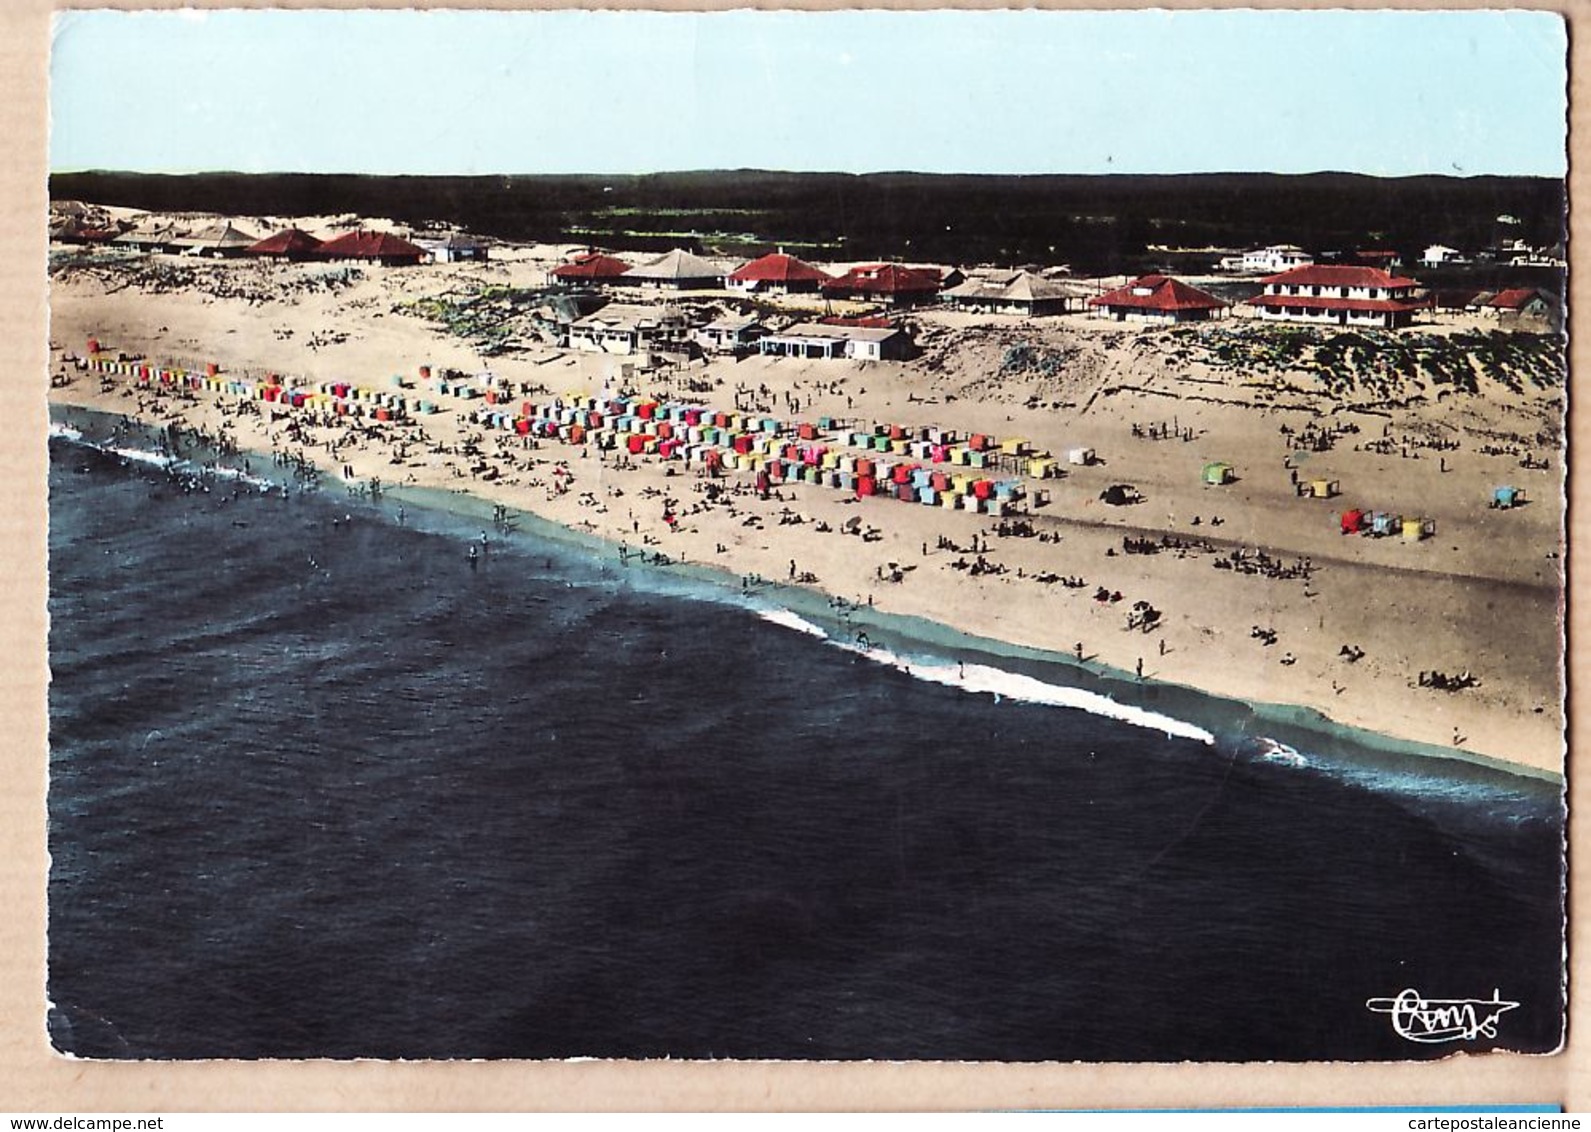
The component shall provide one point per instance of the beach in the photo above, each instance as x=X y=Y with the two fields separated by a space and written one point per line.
x=1259 y=596
x=321 y=787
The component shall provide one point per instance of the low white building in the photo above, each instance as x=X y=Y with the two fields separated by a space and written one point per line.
x=1439 y=254
x=730 y=334
x=1277 y=257
x=817 y=340
x=625 y=329
x=455 y=247
x=1018 y=292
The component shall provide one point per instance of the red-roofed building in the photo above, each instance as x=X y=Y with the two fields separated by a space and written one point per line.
x=78 y=231
x=886 y=283
x=383 y=247
x=290 y=244
x=1523 y=303
x=591 y=268
x=1157 y=298
x=1339 y=296
x=776 y=274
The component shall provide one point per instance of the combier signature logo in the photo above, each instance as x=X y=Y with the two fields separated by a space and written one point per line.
x=1434 y=1020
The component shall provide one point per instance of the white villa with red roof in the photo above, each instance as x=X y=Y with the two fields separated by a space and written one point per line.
x=886 y=283
x=776 y=274
x=1157 y=298
x=1339 y=296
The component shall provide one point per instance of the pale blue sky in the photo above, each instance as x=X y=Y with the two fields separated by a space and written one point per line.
x=1385 y=93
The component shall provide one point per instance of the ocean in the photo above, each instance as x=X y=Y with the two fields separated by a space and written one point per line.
x=321 y=787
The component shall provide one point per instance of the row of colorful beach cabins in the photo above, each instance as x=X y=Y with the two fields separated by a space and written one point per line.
x=927 y=466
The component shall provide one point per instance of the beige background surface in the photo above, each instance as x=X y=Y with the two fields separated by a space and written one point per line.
x=33 y=1078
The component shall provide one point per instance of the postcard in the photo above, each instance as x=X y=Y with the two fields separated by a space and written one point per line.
x=927 y=536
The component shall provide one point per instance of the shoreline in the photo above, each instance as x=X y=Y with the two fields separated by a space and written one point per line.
x=900 y=639
x=1341 y=627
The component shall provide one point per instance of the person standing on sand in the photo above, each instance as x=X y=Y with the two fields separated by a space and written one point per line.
x=1140 y=668
x=792 y=569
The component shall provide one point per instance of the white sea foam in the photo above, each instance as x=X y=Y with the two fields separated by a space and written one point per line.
x=1025 y=689
x=791 y=621
x=155 y=459
x=223 y=472
x=1281 y=753
x=138 y=455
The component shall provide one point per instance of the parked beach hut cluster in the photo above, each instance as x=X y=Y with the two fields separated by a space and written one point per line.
x=1386 y=524
x=338 y=397
x=928 y=467
x=924 y=465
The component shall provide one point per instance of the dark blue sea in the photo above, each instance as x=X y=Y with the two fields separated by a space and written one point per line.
x=319 y=787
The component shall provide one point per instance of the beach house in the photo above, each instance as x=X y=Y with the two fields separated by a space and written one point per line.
x=374 y=247
x=151 y=238
x=1439 y=255
x=1157 y=298
x=1277 y=257
x=732 y=334
x=679 y=270
x=290 y=243
x=1523 y=305
x=1019 y=293
x=1341 y=296
x=592 y=269
x=626 y=329
x=890 y=283
x=455 y=247
x=777 y=274
x=823 y=340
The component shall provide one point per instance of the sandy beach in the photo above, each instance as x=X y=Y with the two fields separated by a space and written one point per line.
x=1260 y=596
